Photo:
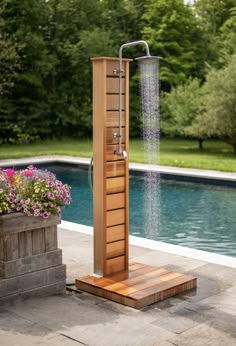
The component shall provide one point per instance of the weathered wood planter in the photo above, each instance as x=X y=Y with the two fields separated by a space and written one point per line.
x=30 y=261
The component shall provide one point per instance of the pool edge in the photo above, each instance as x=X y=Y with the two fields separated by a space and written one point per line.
x=205 y=256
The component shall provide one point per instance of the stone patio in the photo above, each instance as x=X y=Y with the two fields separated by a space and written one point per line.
x=202 y=317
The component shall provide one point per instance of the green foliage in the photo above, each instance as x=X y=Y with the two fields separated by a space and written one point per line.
x=173 y=33
x=220 y=115
x=180 y=109
x=46 y=72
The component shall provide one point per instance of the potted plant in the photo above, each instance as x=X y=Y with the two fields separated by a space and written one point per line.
x=31 y=200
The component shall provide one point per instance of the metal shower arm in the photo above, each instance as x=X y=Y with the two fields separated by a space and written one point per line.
x=125 y=45
x=130 y=44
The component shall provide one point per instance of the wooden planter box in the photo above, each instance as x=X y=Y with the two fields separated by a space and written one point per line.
x=30 y=261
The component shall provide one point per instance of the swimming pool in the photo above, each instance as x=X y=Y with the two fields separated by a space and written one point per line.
x=194 y=215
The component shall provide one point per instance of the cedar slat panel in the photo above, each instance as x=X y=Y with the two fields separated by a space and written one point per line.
x=115 y=201
x=115 y=264
x=115 y=233
x=110 y=135
x=140 y=279
x=175 y=284
x=115 y=169
x=114 y=65
x=115 y=217
x=111 y=152
x=115 y=185
x=112 y=118
x=113 y=102
x=164 y=294
x=113 y=85
x=99 y=142
x=115 y=249
x=162 y=286
x=149 y=282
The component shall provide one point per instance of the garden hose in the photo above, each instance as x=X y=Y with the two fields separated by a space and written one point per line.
x=90 y=174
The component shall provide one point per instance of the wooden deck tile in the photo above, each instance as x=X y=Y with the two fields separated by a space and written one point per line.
x=141 y=285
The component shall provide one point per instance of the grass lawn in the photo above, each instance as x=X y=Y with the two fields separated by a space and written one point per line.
x=215 y=155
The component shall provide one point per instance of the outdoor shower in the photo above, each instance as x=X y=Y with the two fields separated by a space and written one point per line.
x=133 y=284
x=120 y=72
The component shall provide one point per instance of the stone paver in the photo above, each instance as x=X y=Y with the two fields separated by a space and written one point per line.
x=204 y=335
x=202 y=317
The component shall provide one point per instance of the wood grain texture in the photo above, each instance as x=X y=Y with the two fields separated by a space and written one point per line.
x=115 y=233
x=19 y=222
x=115 y=249
x=115 y=201
x=139 y=286
x=115 y=217
x=111 y=152
x=112 y=85
x=110 y=170
x=99 y=143
x=112 y=102
x=112 y=119
x=111 y=131
x=115 y=185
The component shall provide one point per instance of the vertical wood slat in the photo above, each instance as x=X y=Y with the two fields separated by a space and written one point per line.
x=1 y=248
x=25 y=244
x=11 y=248
x=51 y=238
x=110 y=170
x=38 y=241
x=99 y=143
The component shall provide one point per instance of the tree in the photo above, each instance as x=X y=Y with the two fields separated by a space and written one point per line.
x=227 y=37
x=212 y=16
x=179 y=110
x=173 y=32
x=220 y=116
x=9 y=56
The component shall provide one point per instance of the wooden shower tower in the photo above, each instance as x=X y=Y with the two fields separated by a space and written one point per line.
x=133 y=284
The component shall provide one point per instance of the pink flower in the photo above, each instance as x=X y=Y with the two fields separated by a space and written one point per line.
x=50 y=183
x=13 y=187
x=50 y=195
x=10 y=174
x=45 y=215
x=27 y=174
x=32 y=168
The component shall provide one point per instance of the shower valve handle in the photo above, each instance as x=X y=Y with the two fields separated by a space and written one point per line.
x=124 y=153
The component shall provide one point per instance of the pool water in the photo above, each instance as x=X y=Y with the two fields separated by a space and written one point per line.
x=191 y=214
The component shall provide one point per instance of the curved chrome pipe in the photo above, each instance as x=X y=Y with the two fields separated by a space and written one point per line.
x=148 y=56
x=125 y=45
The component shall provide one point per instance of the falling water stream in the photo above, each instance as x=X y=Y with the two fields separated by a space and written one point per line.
x=149 y=88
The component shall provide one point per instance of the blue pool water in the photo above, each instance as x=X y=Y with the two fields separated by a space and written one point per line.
x=192 y=214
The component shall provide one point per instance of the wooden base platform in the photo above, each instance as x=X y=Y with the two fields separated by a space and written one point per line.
x=141 y=285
